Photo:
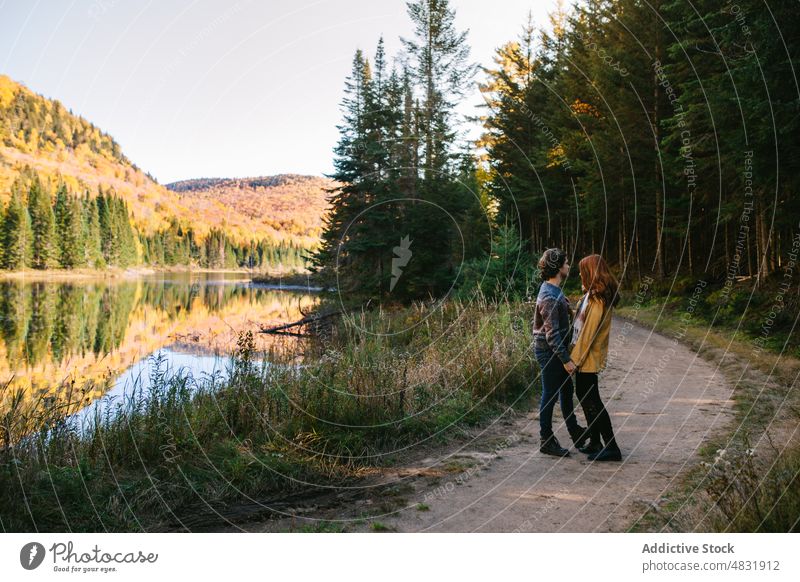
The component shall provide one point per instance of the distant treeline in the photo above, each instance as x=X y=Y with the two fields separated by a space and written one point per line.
x=40 y=229
x=180 y=246
x=255 y=182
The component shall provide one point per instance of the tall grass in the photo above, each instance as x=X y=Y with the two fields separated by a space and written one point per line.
x=314 y=413
x=751 y=494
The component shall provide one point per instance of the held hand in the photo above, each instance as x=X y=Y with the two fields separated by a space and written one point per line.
x=570 y=367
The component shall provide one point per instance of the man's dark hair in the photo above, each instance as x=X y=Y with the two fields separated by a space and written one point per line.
x=551 y=262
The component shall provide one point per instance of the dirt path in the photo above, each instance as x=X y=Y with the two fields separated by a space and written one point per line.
x=664 y=401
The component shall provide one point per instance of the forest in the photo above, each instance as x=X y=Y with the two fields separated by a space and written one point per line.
x=42 y=230
x=660 y=134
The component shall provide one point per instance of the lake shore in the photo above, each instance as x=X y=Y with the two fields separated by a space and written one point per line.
x=130 y=272
x=287 y=280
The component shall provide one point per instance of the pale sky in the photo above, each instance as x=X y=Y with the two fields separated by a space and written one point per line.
x=212 y=88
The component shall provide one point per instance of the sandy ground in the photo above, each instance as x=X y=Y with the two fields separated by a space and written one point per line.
x=664 y=401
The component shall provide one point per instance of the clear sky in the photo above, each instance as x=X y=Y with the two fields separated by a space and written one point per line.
x=213 y=88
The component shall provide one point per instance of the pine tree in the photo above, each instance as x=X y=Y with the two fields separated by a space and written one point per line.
x=440 y=56
x=408 y=146
x=68 y=229
x=520 y=128
x=107 y=229
x=337 y=256
x=43 y=249
x=383 y=202
x=91 y=240
x=17 y=235
x=117 y=236
x=128 y=251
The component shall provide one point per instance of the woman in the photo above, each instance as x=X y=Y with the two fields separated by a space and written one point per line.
x=590 y=351
x=550 y=346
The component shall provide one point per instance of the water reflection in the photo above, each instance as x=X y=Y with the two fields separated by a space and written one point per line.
x=100 y=333
x=135 y=381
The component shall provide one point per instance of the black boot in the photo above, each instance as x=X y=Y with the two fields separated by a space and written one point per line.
x=551 y=446
x=610 y=452
x=594 y=446
x=579 y=436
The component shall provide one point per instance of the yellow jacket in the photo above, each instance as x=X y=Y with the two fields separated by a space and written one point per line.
x=591 y=348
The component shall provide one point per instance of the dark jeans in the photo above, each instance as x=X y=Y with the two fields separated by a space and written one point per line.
x=556 y=382
x=596 y=415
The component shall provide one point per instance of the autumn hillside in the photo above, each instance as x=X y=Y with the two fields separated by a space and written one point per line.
x=285 y=205
x=43 y=134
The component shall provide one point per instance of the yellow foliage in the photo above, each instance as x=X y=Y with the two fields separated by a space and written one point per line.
x=8 y=89
x=555 y=156
x=578 y=107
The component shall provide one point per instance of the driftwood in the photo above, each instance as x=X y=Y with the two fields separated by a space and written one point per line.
x=318 y=324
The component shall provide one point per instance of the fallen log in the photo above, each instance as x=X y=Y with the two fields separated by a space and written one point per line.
x=309 y=319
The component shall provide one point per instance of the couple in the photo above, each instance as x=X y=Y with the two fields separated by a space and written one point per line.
x=582 y=355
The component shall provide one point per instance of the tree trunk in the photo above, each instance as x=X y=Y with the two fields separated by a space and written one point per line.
x=431 y=92
x=727 y=250
x=660 y=268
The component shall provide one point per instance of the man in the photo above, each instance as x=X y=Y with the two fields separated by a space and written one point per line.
x=551 y=348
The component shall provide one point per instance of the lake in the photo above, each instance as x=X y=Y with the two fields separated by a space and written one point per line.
x=59 y=337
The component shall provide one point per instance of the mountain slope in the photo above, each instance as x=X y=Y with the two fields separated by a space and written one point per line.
x=42 y=134
x=60 y=146
x=286 y=205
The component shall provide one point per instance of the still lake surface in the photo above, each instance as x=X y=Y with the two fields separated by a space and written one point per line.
x=104 y=334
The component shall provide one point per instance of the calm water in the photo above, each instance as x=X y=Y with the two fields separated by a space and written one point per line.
x=101 y=334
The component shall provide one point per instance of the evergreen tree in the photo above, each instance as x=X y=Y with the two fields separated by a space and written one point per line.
x=109 y=244
x=215 y=249
x=522 y=126
x=389 y=200
x=43 y=249
x=118 y=239
x=505 y=272
x=17 y=235
x=128 y=250
x=68 y=229
x=90 y=226
x=440 y=56
x=338 y=255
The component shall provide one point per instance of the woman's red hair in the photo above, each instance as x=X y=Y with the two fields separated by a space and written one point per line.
x=598 y=280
